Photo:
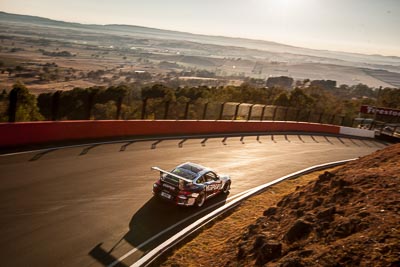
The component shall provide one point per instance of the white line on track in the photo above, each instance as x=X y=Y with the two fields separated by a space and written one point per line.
x=170 y=228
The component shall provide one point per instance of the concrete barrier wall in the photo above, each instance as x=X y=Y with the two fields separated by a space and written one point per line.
x=357 y=132
x=26 y=133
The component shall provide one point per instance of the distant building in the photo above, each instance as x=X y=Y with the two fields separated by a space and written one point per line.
x=282 y=81
x=324 y=84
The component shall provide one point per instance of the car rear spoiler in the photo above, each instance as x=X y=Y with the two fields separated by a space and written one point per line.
x=174 y=175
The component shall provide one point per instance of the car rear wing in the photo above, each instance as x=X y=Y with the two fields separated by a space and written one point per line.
x=174 y=175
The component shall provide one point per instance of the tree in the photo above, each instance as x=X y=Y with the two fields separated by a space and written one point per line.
x=248 y=94
x=44 y=104
x=3 y=106
x=23 y=104
x=192 y=93
x=118 y=93
x=298 y=99
x=324 y=101
x=272 y=93
x=156 y=91
x=73 y=104
x=282 y=100
x=105 y=111
x=361 y=90
x=390 y=98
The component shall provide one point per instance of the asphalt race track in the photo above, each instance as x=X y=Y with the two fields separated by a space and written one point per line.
x=90 y=205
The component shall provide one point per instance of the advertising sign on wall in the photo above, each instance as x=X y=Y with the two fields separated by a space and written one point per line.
x=380 y=111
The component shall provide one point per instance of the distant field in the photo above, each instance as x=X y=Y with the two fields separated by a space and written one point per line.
x=49 y=55
x=391 y=78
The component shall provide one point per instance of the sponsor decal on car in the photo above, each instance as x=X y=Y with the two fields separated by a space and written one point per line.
x=213 y=187
x=168 y=186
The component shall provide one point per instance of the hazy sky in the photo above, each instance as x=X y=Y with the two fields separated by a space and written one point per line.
x=364 y=26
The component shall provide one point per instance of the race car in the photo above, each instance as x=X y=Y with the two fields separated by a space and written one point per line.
x=190 y=184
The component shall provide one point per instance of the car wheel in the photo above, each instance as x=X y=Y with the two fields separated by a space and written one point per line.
x=200 y=200
x=226 y=188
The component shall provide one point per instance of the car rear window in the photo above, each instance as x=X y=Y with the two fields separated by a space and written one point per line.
x=193 y=168
x=185 y=173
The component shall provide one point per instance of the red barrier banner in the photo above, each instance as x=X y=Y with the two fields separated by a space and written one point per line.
x=25 y=133
x=380 y=111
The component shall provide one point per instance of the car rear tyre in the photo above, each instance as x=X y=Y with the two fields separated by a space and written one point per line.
x=200 y=200
x=226 y=188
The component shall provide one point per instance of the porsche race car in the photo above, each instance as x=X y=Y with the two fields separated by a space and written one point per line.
x=190 y=184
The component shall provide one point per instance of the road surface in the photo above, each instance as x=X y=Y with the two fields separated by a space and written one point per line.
x=87 y=206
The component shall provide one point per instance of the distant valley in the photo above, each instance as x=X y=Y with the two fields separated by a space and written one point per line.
x=47 y=55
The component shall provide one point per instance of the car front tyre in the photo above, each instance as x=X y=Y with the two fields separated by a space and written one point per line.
x=226 y=187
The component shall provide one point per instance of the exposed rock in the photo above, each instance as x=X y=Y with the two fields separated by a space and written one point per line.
x=305 y=253
x=317 y=202
x=363 y=214
x=260 y=241
x=299 y=213
x=270 y=211
x=326 y=214
x=291 y=262
x=344 y=229
x=299 y=230
x=284 y=202
x=241 y=254
x=339 y=183
x=268 y=251
x=326 y=176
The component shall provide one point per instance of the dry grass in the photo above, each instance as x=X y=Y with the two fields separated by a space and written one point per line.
x=212 y=243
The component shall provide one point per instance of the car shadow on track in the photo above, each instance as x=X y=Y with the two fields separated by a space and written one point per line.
x=157 y=216
x=155 y=222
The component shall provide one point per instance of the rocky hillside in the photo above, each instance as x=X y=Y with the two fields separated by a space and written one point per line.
x=348 y=217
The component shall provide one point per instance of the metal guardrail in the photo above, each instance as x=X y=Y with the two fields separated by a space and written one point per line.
x=51 y=108
x=152 y=255
x=388 y=129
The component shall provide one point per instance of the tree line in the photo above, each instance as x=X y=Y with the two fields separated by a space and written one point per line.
x=158 y=101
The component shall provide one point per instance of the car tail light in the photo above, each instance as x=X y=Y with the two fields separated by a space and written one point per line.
x=185 y=193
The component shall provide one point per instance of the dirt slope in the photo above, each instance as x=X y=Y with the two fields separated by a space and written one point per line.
x=347 y=217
